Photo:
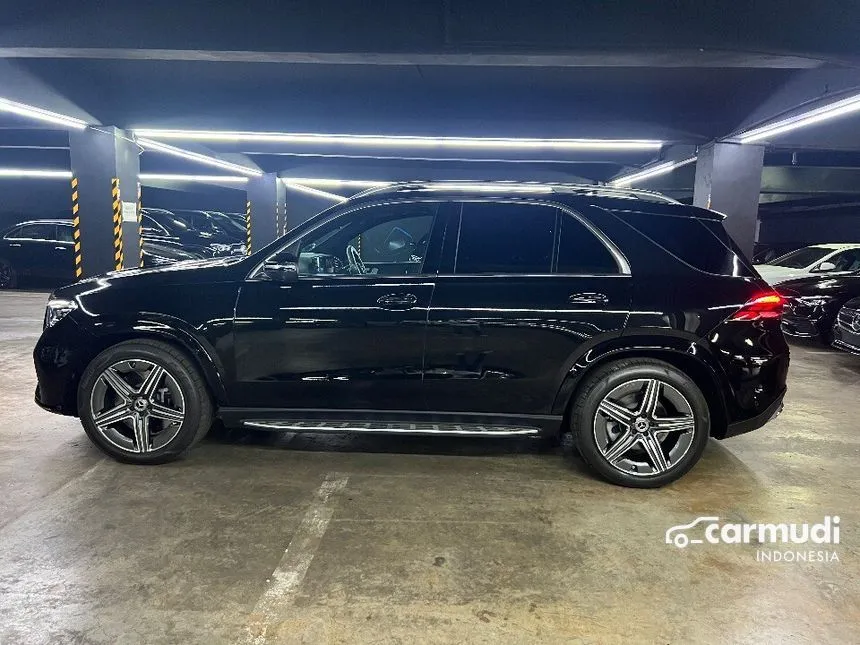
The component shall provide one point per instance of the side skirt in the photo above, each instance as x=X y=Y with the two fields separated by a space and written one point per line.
x=387 y=422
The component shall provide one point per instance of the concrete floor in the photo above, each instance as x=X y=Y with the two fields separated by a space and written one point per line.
x=405 y=540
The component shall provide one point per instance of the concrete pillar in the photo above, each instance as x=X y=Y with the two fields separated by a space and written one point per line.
x=267 y=197
x=728 y=179
x=105 y=169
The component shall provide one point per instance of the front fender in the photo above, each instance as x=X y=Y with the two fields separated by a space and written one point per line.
x=114 y=329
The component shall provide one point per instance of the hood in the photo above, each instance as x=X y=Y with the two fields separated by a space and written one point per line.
x=773 y=273
x=844 y=285
x=189 y=272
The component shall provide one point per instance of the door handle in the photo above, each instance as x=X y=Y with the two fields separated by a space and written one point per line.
x=17 y=245
x=397 y=300
x=60 y=248
x=588 y=299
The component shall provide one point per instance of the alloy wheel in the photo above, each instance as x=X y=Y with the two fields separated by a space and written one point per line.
x=137 y=406
x=644 y=427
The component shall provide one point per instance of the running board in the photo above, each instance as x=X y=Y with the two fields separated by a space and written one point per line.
x=387 y=427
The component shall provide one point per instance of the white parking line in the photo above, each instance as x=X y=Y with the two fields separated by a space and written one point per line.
x=287 y=577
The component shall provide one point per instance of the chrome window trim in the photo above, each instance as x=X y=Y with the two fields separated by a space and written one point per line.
x=620 y=260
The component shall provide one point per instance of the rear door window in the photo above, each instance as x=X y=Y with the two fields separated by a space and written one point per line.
x=579 y=251
x=512 y=238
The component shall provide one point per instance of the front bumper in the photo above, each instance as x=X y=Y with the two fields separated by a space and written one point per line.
x=60 y=357
x=754 y=423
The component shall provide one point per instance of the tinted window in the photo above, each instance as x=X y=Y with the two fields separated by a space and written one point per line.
x=704 y=245
x=37 y=232
x=801 y=258
x=64 y=233
x=505 y=238
x=846 y=261
x=388 y=240
x=579 y=251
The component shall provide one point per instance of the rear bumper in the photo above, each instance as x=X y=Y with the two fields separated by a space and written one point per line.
x=756 y=422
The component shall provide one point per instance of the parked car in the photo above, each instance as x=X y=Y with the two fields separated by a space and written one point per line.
x=37 y=252
x=812 y=304
x=219 y=229
x=161 y=225
x=625 y=318
x=41 y=253
x=846 y=333
x=830 y=259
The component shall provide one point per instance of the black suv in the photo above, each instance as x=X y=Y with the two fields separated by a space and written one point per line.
x=489 y=310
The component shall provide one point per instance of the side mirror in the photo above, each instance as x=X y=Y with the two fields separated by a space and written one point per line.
x=285 y=271
x=826 y=266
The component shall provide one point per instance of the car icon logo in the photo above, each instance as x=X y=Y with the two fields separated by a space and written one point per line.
x=855 y=323
x=676 y=535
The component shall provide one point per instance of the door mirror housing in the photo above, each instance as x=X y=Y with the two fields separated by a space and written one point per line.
x=285 y=271
x=825 y=266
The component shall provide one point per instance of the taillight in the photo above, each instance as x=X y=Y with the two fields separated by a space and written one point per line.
x=768 y=305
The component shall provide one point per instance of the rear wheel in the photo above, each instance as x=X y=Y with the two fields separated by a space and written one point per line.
x=640 y=422
x=8 y=275
x=144 y=402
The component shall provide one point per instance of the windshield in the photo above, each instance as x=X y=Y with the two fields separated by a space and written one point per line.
x=801 y=258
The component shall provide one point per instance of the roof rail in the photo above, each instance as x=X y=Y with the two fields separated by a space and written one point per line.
x=525 y=187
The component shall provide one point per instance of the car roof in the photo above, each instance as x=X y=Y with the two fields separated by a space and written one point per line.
x=43 y=221
x=837 y=247
x=611 y=197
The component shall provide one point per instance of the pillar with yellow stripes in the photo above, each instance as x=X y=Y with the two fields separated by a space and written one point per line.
x=267 y=199
x=105 y=201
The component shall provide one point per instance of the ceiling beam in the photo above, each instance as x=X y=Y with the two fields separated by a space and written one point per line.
x=670 y=58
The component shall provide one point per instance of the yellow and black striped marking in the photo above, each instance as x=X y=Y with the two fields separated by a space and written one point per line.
x=248 y=227
x=76 y=224
x=140 y=223
x=117 y=225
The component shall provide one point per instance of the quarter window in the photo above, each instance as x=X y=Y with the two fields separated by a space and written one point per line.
x=579 y=251
x=505 y=238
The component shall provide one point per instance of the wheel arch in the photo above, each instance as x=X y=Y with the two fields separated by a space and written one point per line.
x=687 y=356
x=173 y=333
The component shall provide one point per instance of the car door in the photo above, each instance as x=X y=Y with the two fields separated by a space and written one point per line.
x=62 y=265
x=523 y=288
x=341 y=336
x=31 y=250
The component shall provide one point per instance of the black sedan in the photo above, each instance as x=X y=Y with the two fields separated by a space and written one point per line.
x=846 y=333
x=813 y=303
x=41 y=253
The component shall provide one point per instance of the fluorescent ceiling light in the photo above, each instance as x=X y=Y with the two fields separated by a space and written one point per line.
x=648 y=173
x=39 y=114
x=825 y=113
x=336 y=183
x=212 y=179
x=505 y=143
x=196 y=156
x=313 y=191
x=21 y=173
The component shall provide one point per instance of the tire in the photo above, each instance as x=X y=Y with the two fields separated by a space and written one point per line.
x=179 y=394
x=8 y=275
x=599 y=427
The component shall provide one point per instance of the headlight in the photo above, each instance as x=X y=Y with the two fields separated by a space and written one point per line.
x=56 y=310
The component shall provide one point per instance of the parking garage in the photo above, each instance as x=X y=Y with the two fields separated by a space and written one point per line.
x=123 y=146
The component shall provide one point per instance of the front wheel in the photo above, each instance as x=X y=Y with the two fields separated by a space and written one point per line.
x=8 y=275
x=143 y=402
x=641 y=423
